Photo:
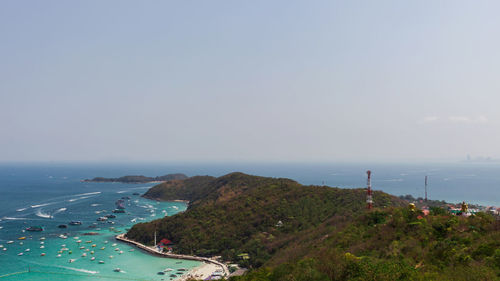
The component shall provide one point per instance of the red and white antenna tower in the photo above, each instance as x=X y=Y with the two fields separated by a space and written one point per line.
x=369 y=199
x=425 y=188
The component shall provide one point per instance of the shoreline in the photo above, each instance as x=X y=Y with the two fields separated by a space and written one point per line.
x=203 y=271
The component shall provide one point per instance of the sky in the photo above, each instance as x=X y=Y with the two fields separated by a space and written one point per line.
x=266 y=81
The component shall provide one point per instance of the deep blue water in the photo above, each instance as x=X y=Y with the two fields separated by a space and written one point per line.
x=31 y=193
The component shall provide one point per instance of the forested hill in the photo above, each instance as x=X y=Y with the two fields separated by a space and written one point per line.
x=139 y=179
x=239 y=213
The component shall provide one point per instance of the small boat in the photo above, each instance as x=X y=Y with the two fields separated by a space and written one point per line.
x=42 y=247
x=75 y=223
x=94 y=245
x=106 y=242
x=119 y=211
x=161 y=273
x=111 y=257
x=63 y=245
x=62 y=226
x=35 y=228
x=131 y=250
x=135 y=193
x=117 y=249
x=91 y=252
x=59 y=255
x=81 y=248
x=93 y=258
x=42 y=238
x=41 y=243
x=42 y=254
x=120 y=252
x=168 y=269
x=70 y=252
x=88 y=241
x=78 y=241
x=102 y=219
x=20 y=254
x=181 y=269
x=21 y=238
x=10 y=242
x=110 y=216
x=1 y=246
x=102 y=248
x=5 y=249
x=62 y=236
x=21 y=243
x=117 y=270
x=101 y=262
x=114 y=244
x=84 y=255
x=71 y=260
x=76 y=237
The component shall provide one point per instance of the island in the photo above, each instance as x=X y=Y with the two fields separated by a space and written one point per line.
x=280 y=229
x=139 y=179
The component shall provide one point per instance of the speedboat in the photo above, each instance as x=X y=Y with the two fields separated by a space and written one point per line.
x=21 y=238
x=42 y=254
x=10 y=242
x=62 y=226
x=117 y=270
x=20 y=254
x=41 y=247
x=71 y=260
x=101 y=262
x=93 y=258
x=75 y=223
x=168 y=269
x=34 y=228
x=102 y=219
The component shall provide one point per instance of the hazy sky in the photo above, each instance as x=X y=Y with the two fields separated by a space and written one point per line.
x=249 y=80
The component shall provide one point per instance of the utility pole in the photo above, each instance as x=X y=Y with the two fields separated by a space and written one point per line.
x=425 y=188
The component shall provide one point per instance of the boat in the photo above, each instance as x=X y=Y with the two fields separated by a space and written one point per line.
x=21 y=243
x=1 y=246
x=42 y=247
x=59 y=255
x=119 y=211
x=117 y=270
x=71 y=260
x=78 y=241
x=168 y=269
x=41 y=243
x=5 y=249
x=42 y=238
x=21 y=238
x=10 y=242
x=102 y=219
x=93 y=258
x=27 y=250
x=20 y=254
x=82 y=247
x=84 y=255
x=34 y=228
x=126 y=198
x=62 y=226
x=101 y=262
x=62 y=236
x=114 y=244
x=75 y=223
x=161 y=273
x=110 y=216
x=42 y=254
x=135 y=193
x=111 y=257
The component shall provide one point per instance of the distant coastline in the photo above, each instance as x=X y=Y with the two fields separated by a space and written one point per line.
x=138 y=179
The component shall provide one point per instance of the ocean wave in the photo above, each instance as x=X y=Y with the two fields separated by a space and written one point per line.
x=39 y=213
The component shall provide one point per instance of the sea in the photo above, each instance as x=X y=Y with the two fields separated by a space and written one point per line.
x=50 y=194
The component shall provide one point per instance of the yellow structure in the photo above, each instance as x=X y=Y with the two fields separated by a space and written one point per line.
x=465 y=207
x=412 y=206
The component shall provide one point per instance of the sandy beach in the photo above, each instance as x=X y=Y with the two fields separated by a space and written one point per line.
x=201 y=272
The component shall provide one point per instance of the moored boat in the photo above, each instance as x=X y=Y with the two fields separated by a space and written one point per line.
x=34 y=228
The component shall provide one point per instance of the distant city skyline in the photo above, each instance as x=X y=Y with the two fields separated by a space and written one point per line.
x=259 y=81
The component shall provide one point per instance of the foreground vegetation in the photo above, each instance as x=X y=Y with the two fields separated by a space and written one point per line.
x=287 y=231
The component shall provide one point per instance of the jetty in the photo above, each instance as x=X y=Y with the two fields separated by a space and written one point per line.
x=151 y=250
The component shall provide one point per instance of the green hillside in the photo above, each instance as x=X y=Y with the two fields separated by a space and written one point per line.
x=239 y=213
x=290 y=231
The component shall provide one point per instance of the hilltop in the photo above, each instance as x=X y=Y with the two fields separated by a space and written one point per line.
x=138 y=179
x=287 y=231
x=239 y=213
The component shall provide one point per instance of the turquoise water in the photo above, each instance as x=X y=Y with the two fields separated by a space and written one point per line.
x=50 y=200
